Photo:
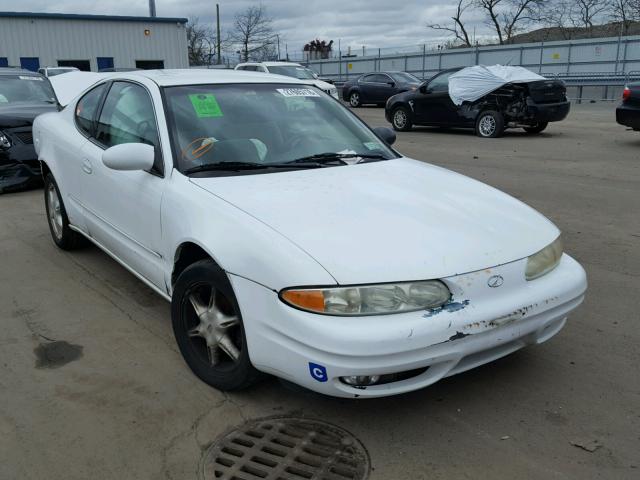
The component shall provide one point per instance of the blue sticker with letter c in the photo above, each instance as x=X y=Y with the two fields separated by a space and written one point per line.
x=318 y=372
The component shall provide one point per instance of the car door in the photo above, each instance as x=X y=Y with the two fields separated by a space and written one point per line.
x=68 y=147
x=367 y=87
x=433 y=104
x=386 y=87
x=123 y=207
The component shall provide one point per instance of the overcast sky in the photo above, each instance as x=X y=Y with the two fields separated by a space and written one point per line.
x=374 y=23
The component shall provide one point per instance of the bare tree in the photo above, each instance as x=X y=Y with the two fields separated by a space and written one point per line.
x=586 y=12
x=624 y=12
x=201 y=42
x=508 y=17
x=557 y=15
x=458 y=28
x=253 y=33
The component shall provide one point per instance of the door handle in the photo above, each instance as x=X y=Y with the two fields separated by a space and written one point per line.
x=86 y=166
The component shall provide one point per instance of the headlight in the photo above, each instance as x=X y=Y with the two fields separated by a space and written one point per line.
x=369 y=299
x=544 y=261
x=4 y=141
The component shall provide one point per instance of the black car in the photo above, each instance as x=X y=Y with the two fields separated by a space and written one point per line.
x=23 y=96
x=377 y=87
x=628 y=112
x=531 y=106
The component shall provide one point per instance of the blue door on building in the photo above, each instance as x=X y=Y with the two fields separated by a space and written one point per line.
x=105 y=62
x=4 y=62
x=30 y=63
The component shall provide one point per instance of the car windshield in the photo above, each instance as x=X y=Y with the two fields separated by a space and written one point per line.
x=25 y=89
x=263 y=125
x=295 y=71
x=405 y=77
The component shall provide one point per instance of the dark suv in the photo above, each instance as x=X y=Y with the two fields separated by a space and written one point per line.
x=530 y=105
x=23 y=96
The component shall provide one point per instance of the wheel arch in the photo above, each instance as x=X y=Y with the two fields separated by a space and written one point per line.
x=187 y=253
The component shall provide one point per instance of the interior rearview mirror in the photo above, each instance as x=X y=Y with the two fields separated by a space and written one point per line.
x=129 y=156
x=386 y=134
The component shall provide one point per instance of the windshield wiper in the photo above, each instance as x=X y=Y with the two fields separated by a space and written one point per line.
x=332 y=157
x=236 y=166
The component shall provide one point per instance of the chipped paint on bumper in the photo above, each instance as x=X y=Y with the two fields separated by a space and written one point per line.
x=481 y=324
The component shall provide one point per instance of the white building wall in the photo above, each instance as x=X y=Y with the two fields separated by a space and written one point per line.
x=53 y=39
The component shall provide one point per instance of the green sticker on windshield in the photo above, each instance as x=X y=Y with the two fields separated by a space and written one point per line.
x=205 y=105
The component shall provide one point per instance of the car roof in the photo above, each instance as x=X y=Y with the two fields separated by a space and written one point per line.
x=271 y=64
x=169 y=77
x=17 y=71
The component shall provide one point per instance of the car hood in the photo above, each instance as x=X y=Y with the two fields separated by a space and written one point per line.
x=22 y=115
x=320 y=84
x=391 y=220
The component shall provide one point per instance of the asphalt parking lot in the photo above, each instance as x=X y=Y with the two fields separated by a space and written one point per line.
x=93 y=386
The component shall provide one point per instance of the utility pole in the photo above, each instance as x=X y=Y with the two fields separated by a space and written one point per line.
x=218 y=41
x=278 y=37
x=152 y=8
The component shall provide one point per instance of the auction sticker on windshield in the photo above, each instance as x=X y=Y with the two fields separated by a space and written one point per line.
x=297 y=92
x=205 y=105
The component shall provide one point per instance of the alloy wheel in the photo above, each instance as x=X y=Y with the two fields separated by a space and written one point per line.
x=354 y=99
x=400 y=119
x=55 y=211
x=487 y=126
x=213 y=327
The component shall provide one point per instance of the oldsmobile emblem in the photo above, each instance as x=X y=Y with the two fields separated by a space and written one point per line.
x=495 y=281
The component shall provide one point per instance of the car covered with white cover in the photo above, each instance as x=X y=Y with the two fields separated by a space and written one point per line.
x=488 y=99
x=291 y=239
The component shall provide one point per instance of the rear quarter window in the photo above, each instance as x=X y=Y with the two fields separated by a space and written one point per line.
x=86 y=109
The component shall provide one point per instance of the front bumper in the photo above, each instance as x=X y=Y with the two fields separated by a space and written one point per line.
x=548 y=112
x=481 y=324
x=629 y=116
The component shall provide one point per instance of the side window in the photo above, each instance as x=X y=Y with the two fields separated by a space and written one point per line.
x=381 y=78
x=128 y=117
x=86 y=109
x=440 y=83
x=368 y=78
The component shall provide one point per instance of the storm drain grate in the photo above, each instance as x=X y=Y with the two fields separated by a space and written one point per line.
x=286 y=449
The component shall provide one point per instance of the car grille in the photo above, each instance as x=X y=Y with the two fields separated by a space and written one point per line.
x=25 y=137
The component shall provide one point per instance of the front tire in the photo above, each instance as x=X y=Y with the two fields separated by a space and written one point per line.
x=490 y=124
x=537 y=128
x=61 y=233
x=354 y=99
x=208 y=328
x=401 y=119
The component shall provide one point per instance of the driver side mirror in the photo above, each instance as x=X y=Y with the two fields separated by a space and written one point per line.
x=423 y=88
x=129 y=156
x=391 y=84
x=387 y=135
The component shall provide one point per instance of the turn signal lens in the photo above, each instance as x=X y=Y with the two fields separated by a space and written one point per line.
x=369 y=299
x=544 y=261
x=306 y=299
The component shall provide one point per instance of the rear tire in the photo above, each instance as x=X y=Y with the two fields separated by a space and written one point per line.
x=537 y=128
x=354 y=99
x=401 y=119
x=61 y=233
x=490 y=124
x=208 y=328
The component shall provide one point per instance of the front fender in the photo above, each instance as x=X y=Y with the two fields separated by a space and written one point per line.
x=238 y=242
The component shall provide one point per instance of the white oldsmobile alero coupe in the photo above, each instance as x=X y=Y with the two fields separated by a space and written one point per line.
x=292 y=239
